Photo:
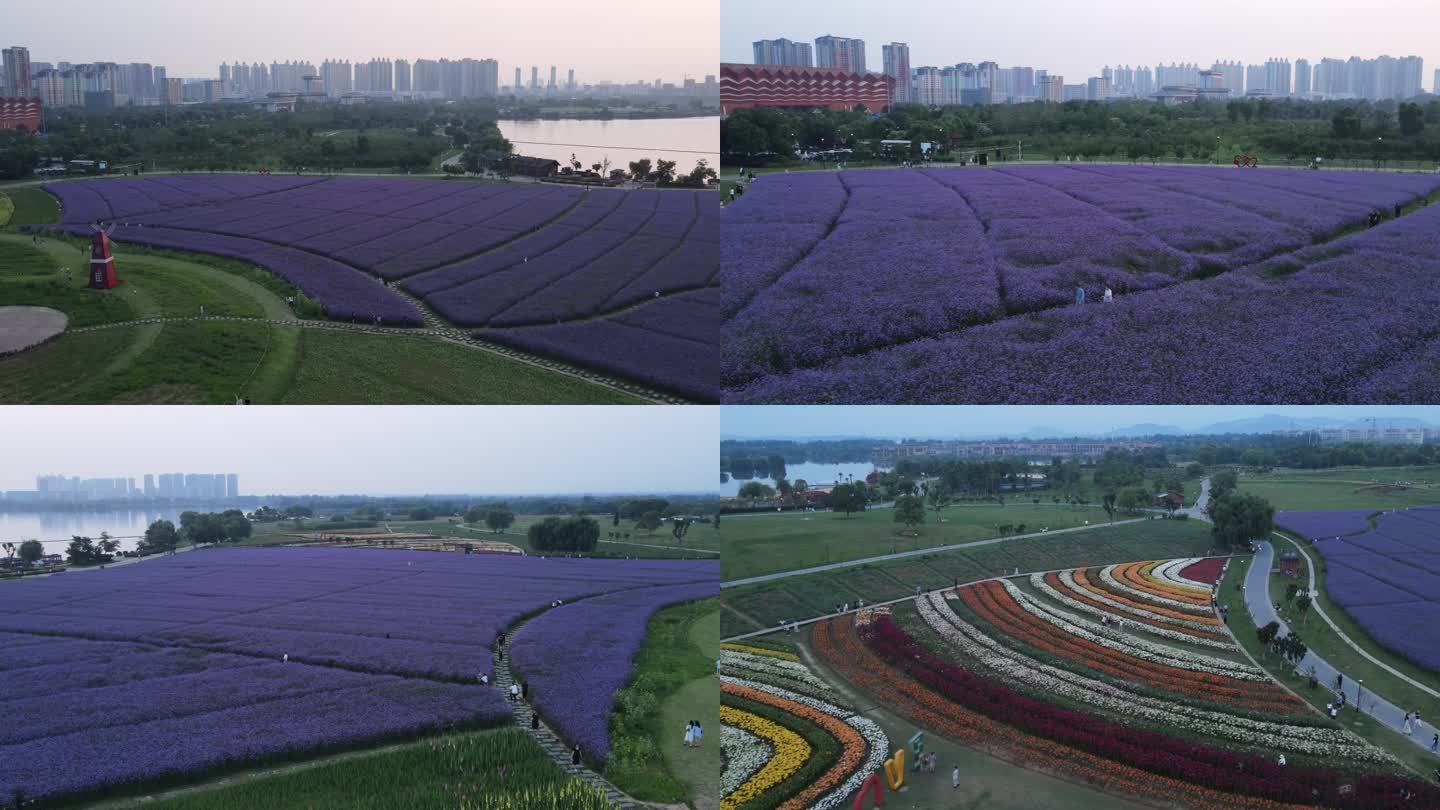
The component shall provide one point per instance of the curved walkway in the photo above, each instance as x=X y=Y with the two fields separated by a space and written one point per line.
x=548 y=739
x=1262 y=610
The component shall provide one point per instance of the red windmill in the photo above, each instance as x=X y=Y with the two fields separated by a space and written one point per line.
x=102 y=262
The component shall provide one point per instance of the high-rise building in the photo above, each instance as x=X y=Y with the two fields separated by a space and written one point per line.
x=570 y=82
x=843 y=53
x=1052 y=89
x=1435 y=88
x=232 y=485
x=517 y=86
x=427 y=76
x=338 y=77
x=1302 y=77
x=783 y=52
x=1277 y=76
x=382 y=75
x=1234 y=74
x=149 y=485
x=1097 y=88
x=402 y=76
x=551 y=86
x=534 y=77
x=897 y=64
x=50 y=87
x=1255 y=80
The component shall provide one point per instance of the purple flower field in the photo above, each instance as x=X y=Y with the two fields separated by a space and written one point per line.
x=484 y=256
x=1388 y=578
x=173 y=666
x=958 y=286
x=1316 y=525
x=575 y=658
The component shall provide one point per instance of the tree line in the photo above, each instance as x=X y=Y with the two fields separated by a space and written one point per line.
x=1135 y=130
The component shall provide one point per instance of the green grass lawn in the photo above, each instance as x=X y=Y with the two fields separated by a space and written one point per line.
x=761 y=606
x=494 y=770
x=1346 y=488
x=33 y=207
x=764 y=544
x=1243 y=625
x=673 y=682
x=1326 y=644
x=367 y=369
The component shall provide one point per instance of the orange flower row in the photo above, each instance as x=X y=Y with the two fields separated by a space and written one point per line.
x=835 y=643
x=1054 y=581
x=852 y=745
x=1098 y=586
x=991 y=602
x=1131 y=574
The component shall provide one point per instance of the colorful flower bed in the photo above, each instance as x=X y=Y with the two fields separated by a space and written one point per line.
x=791 y=693
x=1206 y=572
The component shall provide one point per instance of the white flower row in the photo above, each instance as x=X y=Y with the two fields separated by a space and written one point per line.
x=1017 y=667
x=875 y=739
x=745 y=754
x=1169 y=573
x=730 y=659
x=1068 y=578
x=1108 y=576
x=1139 y=648
x=1038 y=581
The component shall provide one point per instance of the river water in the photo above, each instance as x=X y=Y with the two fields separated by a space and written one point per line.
x=814 y=475
x=54 y=528
x=622 y=140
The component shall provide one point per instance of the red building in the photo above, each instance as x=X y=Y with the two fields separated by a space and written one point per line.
x=20 y=112
x=745 y=86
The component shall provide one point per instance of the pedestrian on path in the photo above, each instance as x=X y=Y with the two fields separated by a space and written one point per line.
x=1435 y=744
x=575 y=756
x=534 y=720
x=689 y=733
x=1282 y=759
x=514 y=692
x=699 y=733
x=955 y=778
x=1407 y=727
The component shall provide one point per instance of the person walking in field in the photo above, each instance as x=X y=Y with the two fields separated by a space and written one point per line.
x=689 y=733
x=699 y=732
x=285 y=658
x=1079 y=296
x=1109 y=296
x=955 y=778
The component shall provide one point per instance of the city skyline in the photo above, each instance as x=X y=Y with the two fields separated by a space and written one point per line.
x=1047 y=39
x=394 y=450
x=678 y=39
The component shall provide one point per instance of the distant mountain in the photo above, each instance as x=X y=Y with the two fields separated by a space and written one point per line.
x=1146 y=429
x=1271 y=422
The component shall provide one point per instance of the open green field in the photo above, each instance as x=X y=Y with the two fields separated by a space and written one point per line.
x=1346 y=487
x=460 y=770
x=1326 y=644
x=32 y=207
x=766 y=543
x=661 y=545
x=673 y=683
x=217 y=361
x=763 y=605
x=1243 y=626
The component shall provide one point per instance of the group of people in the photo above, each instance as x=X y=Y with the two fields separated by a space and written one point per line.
x=1112 y=621
x=693 y=732
x=1106 y=297
x=1377 y=215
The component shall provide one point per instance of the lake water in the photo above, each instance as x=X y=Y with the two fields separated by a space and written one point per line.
x=683 y=140
x=55 y=528
x=814 y=475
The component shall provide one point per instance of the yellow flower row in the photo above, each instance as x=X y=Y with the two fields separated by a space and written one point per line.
x=745 y=648
x=791 y=751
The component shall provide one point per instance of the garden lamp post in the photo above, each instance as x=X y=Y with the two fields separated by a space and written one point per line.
x=1359 y=697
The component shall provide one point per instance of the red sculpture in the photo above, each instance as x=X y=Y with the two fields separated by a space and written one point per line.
x=102 y=261
x=873 y=784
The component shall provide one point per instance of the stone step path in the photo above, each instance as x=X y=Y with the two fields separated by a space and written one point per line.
x=553 y=745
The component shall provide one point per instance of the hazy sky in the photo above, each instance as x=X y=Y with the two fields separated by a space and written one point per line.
x=621 y=40
x=1077 y=39
x=373 y=450
x=908 y=421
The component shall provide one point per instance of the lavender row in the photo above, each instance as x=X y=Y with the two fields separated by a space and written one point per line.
x=104 y=758
x=618 y=345
x=577 y=656
x=1314 y=525
x=1314 y=327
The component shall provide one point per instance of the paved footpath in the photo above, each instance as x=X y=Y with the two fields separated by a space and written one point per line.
x=1262 y=609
